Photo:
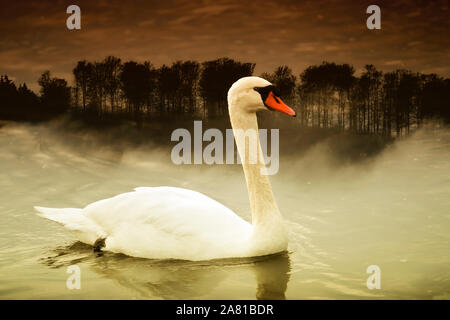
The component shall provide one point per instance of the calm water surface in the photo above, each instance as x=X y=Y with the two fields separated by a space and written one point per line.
x=392 y=211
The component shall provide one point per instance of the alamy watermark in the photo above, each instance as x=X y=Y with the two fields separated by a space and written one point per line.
x=73 y=22
x=374 y=280
x=213 y=153
x=74 y=280
x=374 y=20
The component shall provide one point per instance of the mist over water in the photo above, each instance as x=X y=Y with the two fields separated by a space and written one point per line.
x=390 y=210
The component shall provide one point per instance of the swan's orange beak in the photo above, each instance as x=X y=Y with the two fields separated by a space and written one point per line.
x=275 y=103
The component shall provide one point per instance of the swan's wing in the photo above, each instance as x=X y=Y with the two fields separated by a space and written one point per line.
x=168 y=222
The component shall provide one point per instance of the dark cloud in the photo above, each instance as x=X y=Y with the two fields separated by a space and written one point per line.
x=33 y=34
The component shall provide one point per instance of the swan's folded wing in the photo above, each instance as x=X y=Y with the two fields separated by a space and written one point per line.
x=168 y=219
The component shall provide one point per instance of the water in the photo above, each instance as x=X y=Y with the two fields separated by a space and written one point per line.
x=392 y=211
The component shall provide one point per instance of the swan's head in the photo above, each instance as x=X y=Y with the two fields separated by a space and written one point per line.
x=252 y=94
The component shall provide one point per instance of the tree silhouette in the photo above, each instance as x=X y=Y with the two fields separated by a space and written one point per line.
x=82 y=73
x=326 y=95
x=190 y=74
x=177 y=86
x=165 y=82
x=137 y=81
x=8 y=98
x=343 y=81
x=318 y=85
x=28 y=102
x=285 y=82
x=435 y=98
x=216 y=78
x=370 y=83
x=55 y=94
x=390 y=87
x=97 y=87
x=112 y=66
x=18 y=103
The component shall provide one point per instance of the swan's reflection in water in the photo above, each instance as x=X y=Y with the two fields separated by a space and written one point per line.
x=175 y=279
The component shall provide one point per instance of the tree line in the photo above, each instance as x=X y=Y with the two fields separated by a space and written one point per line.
x=328 y=95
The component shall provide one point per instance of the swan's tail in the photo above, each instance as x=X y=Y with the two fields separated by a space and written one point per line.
x=73 y=219
x=61 y=215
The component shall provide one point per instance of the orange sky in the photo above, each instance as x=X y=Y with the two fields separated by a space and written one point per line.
x=33 y=34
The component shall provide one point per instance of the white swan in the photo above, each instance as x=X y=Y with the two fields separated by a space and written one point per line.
x=176 y=223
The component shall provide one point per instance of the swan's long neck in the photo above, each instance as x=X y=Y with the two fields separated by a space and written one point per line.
x=262 y=200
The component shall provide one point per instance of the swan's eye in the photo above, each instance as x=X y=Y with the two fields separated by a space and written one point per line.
x=265 y=90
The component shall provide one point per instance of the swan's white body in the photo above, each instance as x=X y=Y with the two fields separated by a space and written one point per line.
x=176 y=223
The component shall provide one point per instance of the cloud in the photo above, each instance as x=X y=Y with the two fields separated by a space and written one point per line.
x=414 y=43
x=306 y=47
x=393 y=62
x=213 y=10
x=146 y=23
